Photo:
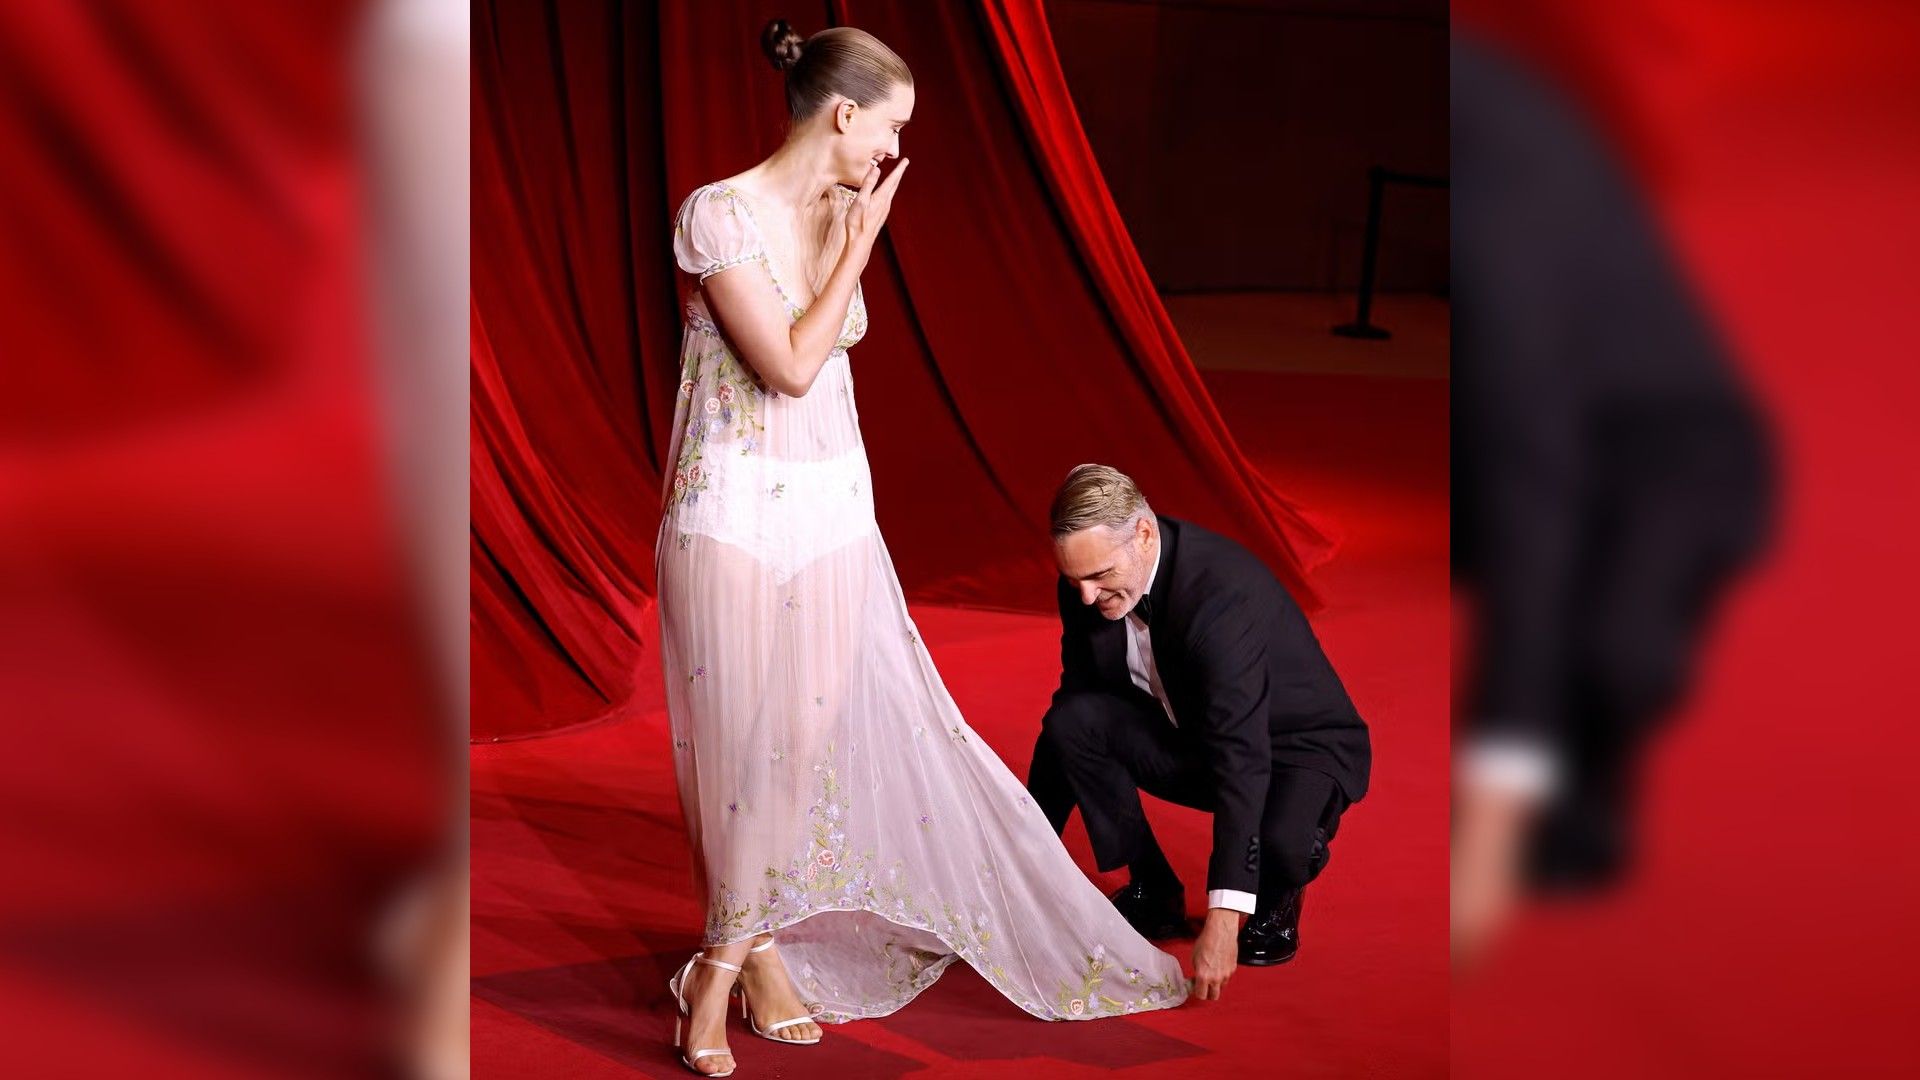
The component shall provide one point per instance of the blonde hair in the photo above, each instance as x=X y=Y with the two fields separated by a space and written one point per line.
x=1097 y=495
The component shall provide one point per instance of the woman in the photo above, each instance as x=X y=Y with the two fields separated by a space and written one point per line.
x=832 y=790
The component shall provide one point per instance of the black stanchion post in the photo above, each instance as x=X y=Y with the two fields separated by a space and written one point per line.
x=1377 y=177
x=1360 y=327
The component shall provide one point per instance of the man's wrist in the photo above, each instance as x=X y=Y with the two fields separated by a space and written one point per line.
x=1237 y=899
x=1224 y=916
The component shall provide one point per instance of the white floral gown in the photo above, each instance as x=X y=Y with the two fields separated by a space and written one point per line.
x=831 y=788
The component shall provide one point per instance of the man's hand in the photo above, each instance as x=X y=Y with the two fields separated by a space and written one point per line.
x=1489 y=827
x=1216 y=952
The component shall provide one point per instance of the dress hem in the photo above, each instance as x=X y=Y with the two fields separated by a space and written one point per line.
x=928 y=977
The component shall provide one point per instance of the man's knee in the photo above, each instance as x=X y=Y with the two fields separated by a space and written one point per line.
x=1291 y=860
x=1076 y=720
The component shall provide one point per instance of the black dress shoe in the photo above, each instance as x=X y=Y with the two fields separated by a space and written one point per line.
x=1153 y=911
x=1272 y=935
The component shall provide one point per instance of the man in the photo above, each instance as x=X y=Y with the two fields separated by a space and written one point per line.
x=1611 y=477
x=1189 y=673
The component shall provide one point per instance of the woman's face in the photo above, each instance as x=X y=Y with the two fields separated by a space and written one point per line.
x=871 y=135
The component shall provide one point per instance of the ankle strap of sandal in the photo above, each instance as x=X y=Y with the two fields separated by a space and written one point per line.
x=763 y=946
x=716 y=963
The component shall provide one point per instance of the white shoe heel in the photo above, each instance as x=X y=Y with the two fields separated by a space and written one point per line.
x=769 y=1031
x=678 y=986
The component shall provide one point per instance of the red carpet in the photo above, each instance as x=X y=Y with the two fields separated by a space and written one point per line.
x=580 y=867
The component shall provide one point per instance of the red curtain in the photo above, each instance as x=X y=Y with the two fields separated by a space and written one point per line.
x=573 y=342
x=1014 y=331
x=226 y=746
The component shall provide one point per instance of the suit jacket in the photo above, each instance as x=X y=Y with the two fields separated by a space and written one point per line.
x=1244 y=673
x=1609 y=472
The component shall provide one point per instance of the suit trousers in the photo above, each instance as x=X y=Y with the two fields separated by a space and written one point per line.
x=1099 y=750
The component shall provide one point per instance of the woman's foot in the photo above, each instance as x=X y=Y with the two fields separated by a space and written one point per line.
x=771 y=996
x=708 y=990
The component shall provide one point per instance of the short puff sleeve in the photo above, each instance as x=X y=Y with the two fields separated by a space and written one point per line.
x=713 y=231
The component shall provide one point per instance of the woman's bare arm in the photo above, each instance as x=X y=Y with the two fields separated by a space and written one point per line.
x=743 y=299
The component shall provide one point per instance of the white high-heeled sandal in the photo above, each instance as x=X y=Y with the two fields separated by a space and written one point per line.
x=678 y=986
x=778 y=1025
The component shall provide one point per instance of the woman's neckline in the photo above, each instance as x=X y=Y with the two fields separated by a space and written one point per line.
x=796 y=309
x=734 y=186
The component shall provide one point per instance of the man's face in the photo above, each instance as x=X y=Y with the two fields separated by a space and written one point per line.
x=1108 y=566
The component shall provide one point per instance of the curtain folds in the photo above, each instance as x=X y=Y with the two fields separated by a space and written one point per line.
x=1014 y=331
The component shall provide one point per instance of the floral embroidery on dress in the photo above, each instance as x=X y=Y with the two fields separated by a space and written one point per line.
x=735 y=391
x=856 y=327
x=829 y=875
x=906 y=965
x=728 y=915
x=733 y=404
x=1085 y=999
x=832 y=876
x=731 y=200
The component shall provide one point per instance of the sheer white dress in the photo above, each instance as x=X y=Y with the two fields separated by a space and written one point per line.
x=832 y=790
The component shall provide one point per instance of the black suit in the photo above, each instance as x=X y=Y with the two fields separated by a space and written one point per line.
x=1266 y=737
x=1610 y=474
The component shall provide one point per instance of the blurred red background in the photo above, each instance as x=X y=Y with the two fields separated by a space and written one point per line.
x=1768 y=930
x=227 y=730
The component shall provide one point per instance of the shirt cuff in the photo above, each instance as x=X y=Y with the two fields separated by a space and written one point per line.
x=1242 y=902
x=1515 y=765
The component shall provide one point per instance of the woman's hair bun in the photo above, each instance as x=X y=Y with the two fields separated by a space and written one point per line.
x=782 y=44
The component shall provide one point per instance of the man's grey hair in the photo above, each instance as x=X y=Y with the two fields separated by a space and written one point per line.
x=1097 y=495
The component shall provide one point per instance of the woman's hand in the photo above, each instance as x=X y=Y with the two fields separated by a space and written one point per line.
x=869 y=210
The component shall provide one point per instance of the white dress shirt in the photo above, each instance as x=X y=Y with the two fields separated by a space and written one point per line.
x=1514 y=764
x=1146 y=675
